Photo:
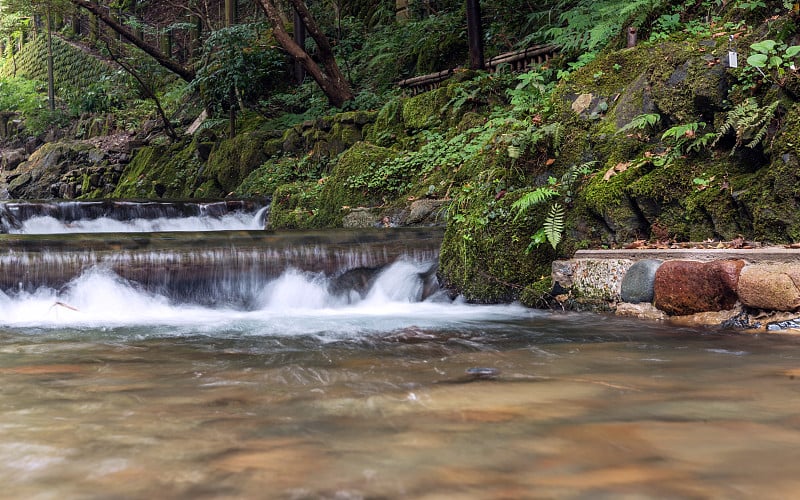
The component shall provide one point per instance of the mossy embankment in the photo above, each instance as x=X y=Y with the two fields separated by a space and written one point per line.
x=520 y=171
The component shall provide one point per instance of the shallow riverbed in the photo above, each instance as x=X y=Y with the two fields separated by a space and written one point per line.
x=382 y=401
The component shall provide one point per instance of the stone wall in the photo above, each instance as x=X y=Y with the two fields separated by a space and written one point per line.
x=755 y=289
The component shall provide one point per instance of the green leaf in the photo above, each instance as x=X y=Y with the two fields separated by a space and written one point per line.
x=554 y=224
x=757 y=60
x=535 y=197
x=764 y=46
x=792 y=51
x=775 y=62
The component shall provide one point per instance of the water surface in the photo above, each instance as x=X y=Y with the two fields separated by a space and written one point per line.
x=109 y=391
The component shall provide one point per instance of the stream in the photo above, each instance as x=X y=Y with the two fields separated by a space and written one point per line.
x=351 y=377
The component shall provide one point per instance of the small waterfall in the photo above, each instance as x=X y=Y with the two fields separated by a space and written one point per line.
x=233 y=268
x=109 y=216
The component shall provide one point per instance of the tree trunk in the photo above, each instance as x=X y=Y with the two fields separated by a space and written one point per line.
x=475 y=34
x=51 y=86
x=329 y=78
x=163 y=59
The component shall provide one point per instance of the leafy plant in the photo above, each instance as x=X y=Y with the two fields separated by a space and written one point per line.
x=749 y=122
x=552 y=227
x=643 y=122
x=775 y=57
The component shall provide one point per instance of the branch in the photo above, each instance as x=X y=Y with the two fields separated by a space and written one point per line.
x=162 y=59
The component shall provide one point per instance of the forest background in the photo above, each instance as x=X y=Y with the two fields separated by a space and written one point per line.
x=654 y=123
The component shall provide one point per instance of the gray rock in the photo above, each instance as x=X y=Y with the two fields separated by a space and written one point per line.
x=637 y=285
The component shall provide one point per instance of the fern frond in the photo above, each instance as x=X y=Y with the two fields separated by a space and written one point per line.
x=554 y=224
x=535 y=197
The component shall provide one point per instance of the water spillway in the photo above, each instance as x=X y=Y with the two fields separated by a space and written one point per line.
x=107 y=216
x=222 y=267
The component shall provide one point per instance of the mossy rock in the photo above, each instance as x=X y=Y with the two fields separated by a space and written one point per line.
x=388 y=128
x=293 y=206
x=265 y=179
x=234 y=159
x=538 y=294
x=491 y=265
x=163 y=171
x=425 y=110
x=336 y=192
x=42 y=175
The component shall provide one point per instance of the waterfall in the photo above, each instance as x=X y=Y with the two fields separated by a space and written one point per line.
x=230 y=268
x=113 y=216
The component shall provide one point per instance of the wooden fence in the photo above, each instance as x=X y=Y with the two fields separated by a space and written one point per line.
x=518 y=60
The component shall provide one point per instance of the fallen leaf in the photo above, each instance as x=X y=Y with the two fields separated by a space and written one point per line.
x=550 y=161
x=619 y=167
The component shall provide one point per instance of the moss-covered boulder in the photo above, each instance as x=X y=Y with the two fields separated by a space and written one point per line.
x=61 y=170
x=338 y=195
x=294 y=206
x=234 y=159
x=164 y=171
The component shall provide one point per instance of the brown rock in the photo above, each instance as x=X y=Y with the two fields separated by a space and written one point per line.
x=688 y=287
x=770 y=286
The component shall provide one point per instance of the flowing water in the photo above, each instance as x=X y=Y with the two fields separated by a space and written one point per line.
x=112 y=389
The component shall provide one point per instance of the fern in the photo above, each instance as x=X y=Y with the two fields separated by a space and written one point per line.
x=749 y=122
x=553 y=225
x=535 y=197
x=641 y=122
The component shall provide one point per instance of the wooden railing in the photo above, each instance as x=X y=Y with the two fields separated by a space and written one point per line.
x=519 y=60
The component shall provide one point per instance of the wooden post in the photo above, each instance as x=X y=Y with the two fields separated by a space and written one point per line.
x=402 y=11
x=165 y=43
x=195 y=34
x=230 y=12
x=475 y=34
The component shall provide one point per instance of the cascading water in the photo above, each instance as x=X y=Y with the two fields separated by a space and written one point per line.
x=112 y=216
x=251 y=364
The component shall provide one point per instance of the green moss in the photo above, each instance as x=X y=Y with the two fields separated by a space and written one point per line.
x=234 y=159
x=336 y=192
x=161 y=171
x=484 y=256
x=388 y=127
x=266 y=178
x=425 y=110
x=538 y=294
x=293 y=206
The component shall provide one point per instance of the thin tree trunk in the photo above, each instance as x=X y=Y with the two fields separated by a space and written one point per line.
x=51 y=86
x=328 y=77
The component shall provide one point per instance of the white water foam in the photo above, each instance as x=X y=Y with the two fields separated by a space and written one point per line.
x=228 y=222
x=296 y=303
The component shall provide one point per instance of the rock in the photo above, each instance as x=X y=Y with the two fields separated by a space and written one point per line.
x=637 y=285
x=11 y=158
x=582 y=103
x=770 y=286
x=360 y=218
x=640 y=311
x=688 y=287
x=424 y=210
x=708 y=318
x=562 y=272
x=599 y=279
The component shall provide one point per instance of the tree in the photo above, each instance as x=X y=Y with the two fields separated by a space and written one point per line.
x=163 y=59
x=327 y=73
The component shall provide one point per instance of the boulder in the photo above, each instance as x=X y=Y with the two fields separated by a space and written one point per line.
x=637 y=285
x=688 y=287
x=770 y=286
